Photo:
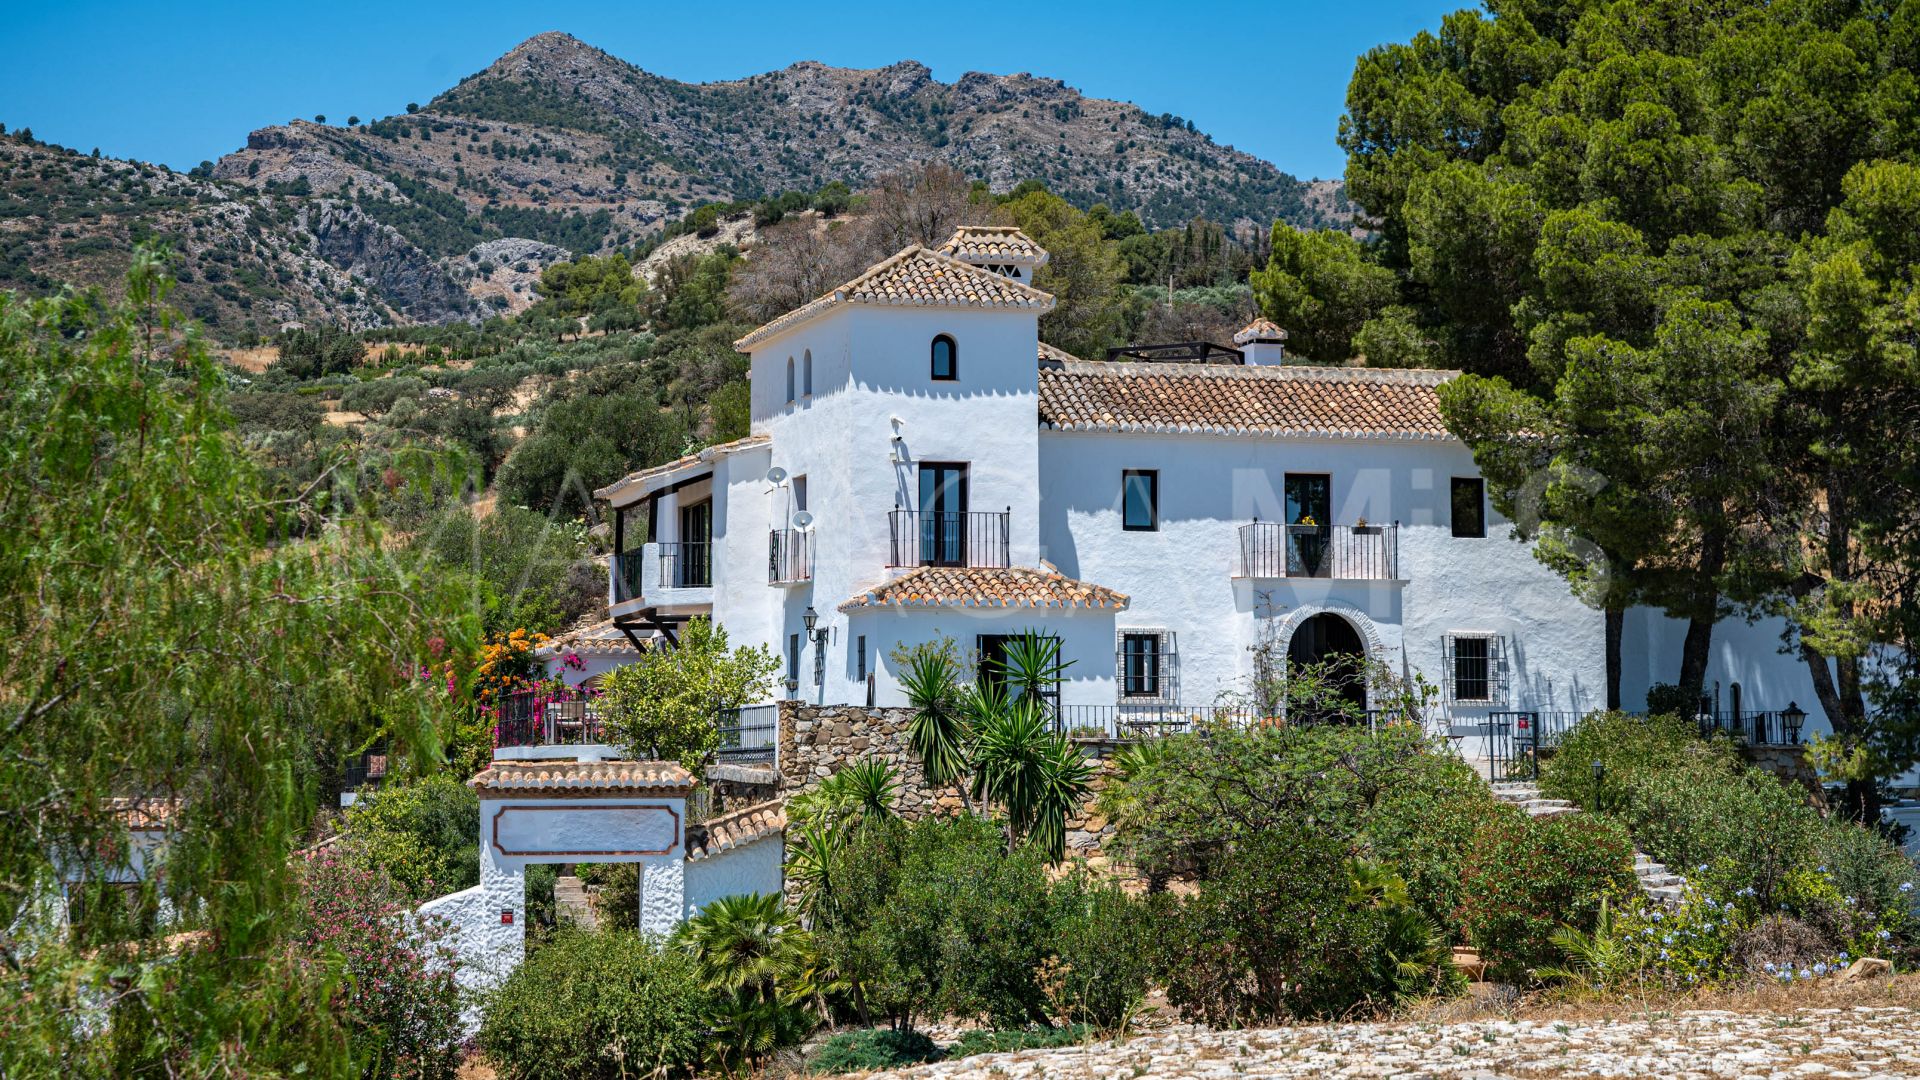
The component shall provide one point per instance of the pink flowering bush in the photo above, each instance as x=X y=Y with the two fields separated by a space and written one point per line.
x=398 y=998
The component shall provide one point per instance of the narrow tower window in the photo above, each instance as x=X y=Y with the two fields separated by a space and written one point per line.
x=946 y=364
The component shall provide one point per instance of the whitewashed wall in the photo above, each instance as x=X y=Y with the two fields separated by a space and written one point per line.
x=755 y=867
x=1181 y=579
x=1086 y=638
x=872 y=381
x=557 y=830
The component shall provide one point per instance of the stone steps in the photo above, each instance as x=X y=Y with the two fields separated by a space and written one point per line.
x=1655 y=879
x=571 y=903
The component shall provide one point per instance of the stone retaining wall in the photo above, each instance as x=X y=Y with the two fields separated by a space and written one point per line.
x=817 y=741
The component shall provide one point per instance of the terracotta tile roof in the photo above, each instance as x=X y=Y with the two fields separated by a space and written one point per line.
x=1057 y=355
x=982 y=587
x=735 y=828
x=698 y=457
x=594 y=639
x=1003 y=243
x=144 y=814
x=586 y=779
x=916 y=277
x=1226 y=399
x=1261 y=329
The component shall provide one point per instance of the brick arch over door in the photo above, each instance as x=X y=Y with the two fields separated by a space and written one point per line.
x=1369 y=633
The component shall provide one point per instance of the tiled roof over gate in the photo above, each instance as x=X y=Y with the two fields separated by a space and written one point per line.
x=916 y=277
x=983 y=587
x=587 y=779
x=1224 y=399
x=734 y=828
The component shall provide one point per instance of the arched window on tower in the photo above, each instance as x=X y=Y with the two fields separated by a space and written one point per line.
x=789 y=380
x=946 y=358
x=806 y=382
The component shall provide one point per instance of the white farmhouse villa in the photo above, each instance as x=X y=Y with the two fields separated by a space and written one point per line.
x=922 y=465
x=1188 y=521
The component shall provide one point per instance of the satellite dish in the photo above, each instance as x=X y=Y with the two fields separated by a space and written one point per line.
x=802 y=519
x=776 y=475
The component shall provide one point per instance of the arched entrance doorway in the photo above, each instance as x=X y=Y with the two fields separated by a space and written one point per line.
x=1331 y=647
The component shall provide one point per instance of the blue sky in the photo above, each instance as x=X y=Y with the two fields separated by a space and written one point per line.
x=178 y=83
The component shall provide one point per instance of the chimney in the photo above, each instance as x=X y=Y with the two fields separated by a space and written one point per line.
x=1262 y=343
x=1000 y=249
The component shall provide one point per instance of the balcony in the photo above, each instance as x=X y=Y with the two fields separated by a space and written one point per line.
x=789 y=557
x=546 y=721
x=941 y=538
x=664 y=574
x=1269 y=549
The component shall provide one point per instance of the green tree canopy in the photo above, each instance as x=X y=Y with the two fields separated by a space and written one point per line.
x=663 y=707
x=176 y=661
x=1672 y=248
x=591 y=285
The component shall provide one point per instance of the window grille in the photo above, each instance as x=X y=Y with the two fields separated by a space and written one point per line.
x=1475 y=668
x=1146 y=667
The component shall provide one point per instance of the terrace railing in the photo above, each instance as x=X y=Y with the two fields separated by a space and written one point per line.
x=1269 y=549
x=627 y=574
x=749 y=734
x=1774 y=727
x=1125 y=722
x=686 y=565
x=548 y=716
x=789 y=556
x=941 y=538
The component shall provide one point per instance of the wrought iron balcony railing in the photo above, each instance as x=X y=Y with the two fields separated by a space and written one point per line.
x=789 y=556
x=940 y=538
x=547 y=715
x=1269 y=549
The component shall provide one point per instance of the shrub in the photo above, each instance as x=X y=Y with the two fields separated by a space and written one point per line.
x=1736 y=830
x=1389 y=796
x=1103 y=941
x=607 y=1004
x=1009 y=1042
x=873 y=1049
x=968 y=922
x=423 y=834
x=1287 y=928
x=935 y=918
x=400 y=1001
x=1525 y=877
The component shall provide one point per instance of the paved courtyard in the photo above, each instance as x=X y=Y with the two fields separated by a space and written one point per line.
x=1845 y=1041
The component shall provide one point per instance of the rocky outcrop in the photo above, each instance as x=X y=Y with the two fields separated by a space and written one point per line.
x=411 y=282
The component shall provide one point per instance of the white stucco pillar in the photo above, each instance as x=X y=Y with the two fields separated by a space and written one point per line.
x=663 y=890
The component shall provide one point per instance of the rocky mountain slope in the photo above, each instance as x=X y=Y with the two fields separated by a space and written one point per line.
x=449 y=211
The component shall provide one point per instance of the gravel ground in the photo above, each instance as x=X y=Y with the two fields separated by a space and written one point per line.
x=1847 y=1041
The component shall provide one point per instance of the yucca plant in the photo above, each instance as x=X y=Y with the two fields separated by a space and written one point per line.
x=868 y=787
x=938 y=734
x=1031 y=665
x=1036 y=775
x=811 y=855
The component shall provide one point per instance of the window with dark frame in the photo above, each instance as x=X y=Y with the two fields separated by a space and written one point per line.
x=860 y=645
x=1469 y=506
x=1140 y=665
x=1140 y=500
x=793 y=659
x=1472 y=669
x=946 y=359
